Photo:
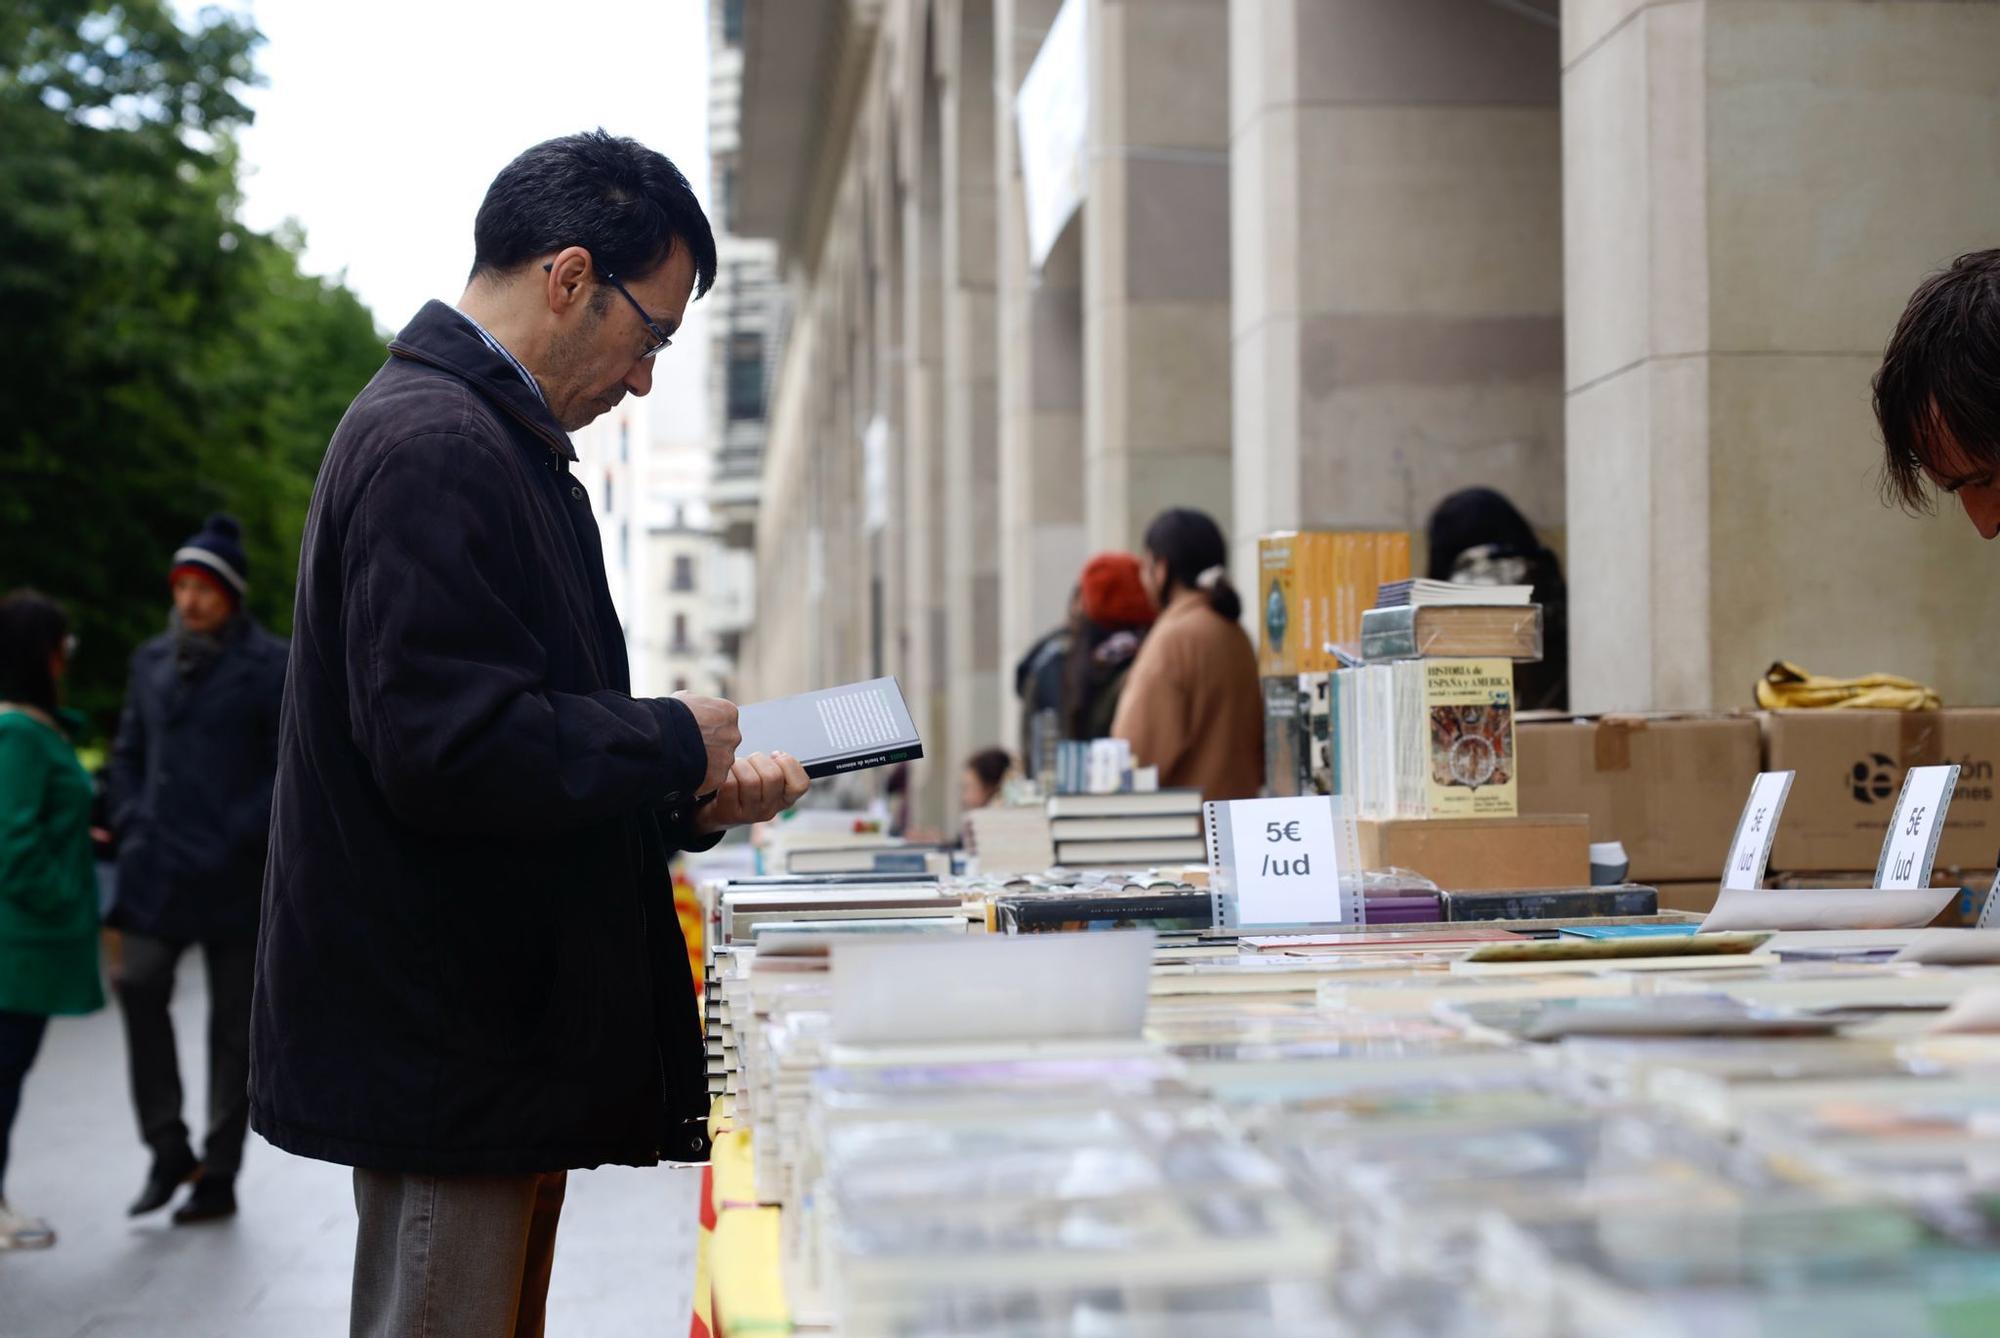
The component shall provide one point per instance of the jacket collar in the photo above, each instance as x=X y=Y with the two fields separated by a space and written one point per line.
x=1183 y=604
x=438 y=336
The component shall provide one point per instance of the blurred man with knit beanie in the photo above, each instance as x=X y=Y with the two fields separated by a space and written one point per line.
x=191 y=777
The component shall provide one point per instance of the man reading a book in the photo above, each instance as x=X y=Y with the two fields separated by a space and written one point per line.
x=1937 y=395
x=470 y=975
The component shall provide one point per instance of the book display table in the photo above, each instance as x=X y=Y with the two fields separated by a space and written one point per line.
x=1524 y=1128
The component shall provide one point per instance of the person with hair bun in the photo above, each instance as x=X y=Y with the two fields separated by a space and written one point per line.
x=1192 y=705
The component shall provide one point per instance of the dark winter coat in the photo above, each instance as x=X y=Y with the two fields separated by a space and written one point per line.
x=469 y=958
x=191 y=775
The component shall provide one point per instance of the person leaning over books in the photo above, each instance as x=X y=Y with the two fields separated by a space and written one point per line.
x=1937 y=394
x=470 y=974
x=1192 y=705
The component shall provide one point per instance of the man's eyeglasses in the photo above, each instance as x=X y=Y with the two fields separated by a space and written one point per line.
x=661 y=339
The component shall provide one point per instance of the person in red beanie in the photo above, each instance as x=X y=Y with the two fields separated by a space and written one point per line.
x=1113 y=614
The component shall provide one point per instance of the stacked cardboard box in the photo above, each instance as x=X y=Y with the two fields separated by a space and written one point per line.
x=1669 y=787
x=1851 y=766
x=1482 y=854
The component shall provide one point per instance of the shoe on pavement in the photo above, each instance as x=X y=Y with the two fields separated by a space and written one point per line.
x=213 y=1198
x=167 y=1175
x=23 y=1233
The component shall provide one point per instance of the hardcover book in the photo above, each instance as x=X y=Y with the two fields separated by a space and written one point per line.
x=1469 y=713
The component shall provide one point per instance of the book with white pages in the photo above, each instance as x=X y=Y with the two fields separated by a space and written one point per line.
x=835 y=730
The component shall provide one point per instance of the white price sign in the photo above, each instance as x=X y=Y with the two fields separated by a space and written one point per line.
x=1750 y=852
x=1911 y=846
x=1285 y=862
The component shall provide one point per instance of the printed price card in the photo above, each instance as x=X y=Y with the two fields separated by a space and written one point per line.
x=1750 y=852
x=1284 y=861
x=1911 y=846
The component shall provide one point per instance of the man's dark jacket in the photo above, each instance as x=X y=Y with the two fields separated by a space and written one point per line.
x=190 y=794
x=469 y=959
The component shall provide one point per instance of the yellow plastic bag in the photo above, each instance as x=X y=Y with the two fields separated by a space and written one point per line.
x=1786 y=687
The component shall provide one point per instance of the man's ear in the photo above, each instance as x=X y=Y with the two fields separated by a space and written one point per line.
x=568 y=280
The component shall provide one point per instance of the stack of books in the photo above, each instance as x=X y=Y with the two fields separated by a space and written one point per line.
x=1413 y=619
x=1134 y=830
x=1421 y=593
x=1470 y=631
x=1429 y=738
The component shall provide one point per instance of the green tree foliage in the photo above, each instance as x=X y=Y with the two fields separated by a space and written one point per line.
x=161 y=360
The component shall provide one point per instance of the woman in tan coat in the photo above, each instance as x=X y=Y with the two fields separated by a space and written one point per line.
x=1192 y=705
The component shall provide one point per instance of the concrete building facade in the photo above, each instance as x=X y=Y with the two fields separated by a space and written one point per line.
x=1630 y=261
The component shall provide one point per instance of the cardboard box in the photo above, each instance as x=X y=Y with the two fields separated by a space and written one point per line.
x=1669 y=787
x=1312 y=587
x=1482 y=854
x=1851 y=766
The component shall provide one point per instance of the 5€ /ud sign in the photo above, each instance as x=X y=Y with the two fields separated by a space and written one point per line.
x=1282 y=861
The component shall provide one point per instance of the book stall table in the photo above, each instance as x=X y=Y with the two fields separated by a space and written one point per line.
x=1535 y=1128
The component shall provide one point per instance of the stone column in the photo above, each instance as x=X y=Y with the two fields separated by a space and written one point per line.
x=1156 y=264
x=1397 y=246
x=1751 y=190
x=924 y=535
x=1042 y=545
x=963 y=35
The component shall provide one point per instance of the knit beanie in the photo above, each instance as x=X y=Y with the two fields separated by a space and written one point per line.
x=216 y=553
x=1113 y=593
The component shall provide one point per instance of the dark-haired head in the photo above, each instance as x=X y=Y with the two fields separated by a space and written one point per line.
x=1186 y=551
x=626 y=204
x=588 y=249
x=1937 y=393
x=984 y=771
x=34 y=632
x=1477 y=518
x=990 y=765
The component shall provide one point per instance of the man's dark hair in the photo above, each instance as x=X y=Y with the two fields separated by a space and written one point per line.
x=32 y=628
x=1939 y=384
x=617 y=199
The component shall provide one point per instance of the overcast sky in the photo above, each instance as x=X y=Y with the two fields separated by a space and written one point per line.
x=382 y=121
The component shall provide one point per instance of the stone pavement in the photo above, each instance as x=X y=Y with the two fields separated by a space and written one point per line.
x=624 y=1258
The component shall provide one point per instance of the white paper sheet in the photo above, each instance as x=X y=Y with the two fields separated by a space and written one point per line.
x=1953 y=947
x=991 y=987
x=1827 y=908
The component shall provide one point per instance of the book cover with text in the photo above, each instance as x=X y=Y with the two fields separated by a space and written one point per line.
x=1469 y=708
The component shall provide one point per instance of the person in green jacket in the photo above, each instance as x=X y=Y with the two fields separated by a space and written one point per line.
x=48 y=889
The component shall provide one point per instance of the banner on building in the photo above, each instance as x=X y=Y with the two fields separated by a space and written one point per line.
x=1052 y=116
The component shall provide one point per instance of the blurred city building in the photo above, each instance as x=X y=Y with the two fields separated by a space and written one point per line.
x=1051 y=265
x=746 y=312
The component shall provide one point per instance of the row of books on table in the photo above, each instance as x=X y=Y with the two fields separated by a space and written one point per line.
x=1524 y=1126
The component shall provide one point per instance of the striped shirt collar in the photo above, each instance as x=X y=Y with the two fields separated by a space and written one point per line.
x=487 y=337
